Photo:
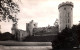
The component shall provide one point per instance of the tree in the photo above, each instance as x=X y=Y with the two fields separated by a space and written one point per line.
x=8 y=10
x=6 y=36
x=76 y=29
x=66 y=39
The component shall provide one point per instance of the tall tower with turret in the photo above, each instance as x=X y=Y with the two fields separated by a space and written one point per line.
x=65 y=15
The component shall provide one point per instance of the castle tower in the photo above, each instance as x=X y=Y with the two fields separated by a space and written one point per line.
x=65 y=15
x=29 y=27
x=14 y=27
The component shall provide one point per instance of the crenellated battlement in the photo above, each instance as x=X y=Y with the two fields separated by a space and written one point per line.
x=65 y=4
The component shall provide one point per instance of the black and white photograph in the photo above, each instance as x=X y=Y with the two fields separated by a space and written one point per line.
x=39 y=24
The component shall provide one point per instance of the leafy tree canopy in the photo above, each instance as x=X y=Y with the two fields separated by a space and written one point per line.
x=68 y=38
x=8 y=10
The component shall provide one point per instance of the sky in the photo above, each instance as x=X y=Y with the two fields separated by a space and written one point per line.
x=43 y=12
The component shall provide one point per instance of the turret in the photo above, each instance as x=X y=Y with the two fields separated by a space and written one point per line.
x=65 y=15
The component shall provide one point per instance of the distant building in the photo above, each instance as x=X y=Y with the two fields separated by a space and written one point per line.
x=65 y=15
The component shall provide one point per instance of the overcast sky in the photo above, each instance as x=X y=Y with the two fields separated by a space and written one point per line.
x=44 y=12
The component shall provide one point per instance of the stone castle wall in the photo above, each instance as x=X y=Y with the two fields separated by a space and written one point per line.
x=45 y=31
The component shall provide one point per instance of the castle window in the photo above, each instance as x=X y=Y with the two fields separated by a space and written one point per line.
x=64 y=8
x=68 y=20
x=68 y=14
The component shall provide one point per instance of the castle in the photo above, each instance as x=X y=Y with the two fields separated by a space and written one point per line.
x=65 y=20
x=21 y=34
x=33 y=30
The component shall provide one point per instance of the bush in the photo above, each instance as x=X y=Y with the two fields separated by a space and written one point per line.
x=66 y=39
